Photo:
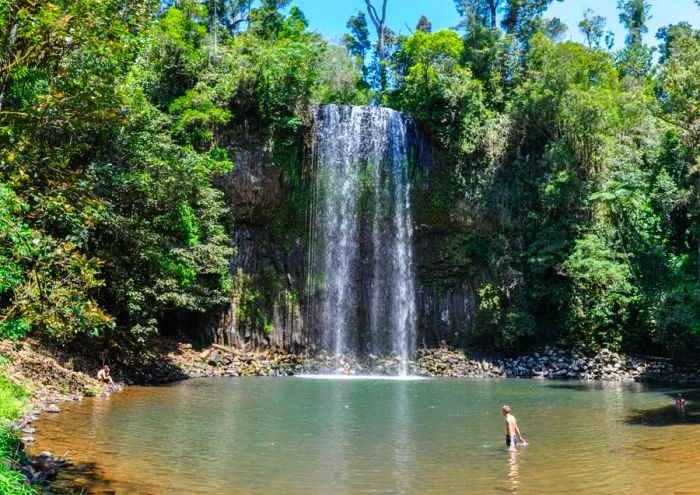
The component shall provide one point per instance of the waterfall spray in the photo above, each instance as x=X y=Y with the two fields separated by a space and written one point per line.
x=363 y=233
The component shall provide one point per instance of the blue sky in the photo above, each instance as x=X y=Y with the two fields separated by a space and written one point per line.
x=329 y=16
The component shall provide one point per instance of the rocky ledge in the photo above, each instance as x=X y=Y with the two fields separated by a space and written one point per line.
x=446 y=361
x=547 y=363
x=555 y=363
x=220 y=360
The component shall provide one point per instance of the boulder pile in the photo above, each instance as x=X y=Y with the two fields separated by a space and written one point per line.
x=555 y=363
x=445 y=361
x=220 y=360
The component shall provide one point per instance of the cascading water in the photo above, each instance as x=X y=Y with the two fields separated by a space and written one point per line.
x=361 y=262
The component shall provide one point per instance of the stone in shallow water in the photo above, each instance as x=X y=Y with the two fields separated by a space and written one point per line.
x=52 y=408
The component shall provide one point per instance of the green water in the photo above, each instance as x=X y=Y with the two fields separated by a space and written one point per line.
x=308 y=436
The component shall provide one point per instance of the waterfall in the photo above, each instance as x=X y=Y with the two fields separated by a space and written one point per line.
x=361 y=261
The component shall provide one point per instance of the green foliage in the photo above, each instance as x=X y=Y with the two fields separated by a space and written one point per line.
x=14 y=329
x=58 y=103
x=12 y=482
x=339 y=78
x=635 y=59
x=565 y=183
x=45 y=282
x=163 y=236
x=12 y=405
x=518 y=17
x=504 y=326
x=171 y=54
x=257 y=296
x=592 y=28
x=114 y=120
x=262 y=80
x=188 y=225
x=276 y=80
x=357 y=41
x=634 y=15
x=197 y=118
x=440 y=92
x=603 y=293
x=431 y=49
x=679 y=84
x=12 y=399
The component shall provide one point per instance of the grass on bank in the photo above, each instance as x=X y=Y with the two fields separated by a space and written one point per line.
x=13 y=399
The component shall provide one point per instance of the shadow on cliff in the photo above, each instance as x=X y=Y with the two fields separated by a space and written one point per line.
x=151 y=367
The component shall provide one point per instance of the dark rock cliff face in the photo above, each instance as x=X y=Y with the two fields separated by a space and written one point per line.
x=269 y=306
x=279 y=321
x=447 y=290
x=445 y=314
x=268 y=264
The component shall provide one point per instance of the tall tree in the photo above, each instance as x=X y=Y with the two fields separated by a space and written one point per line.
x=592 y=28
x=357 y=40
x=267 y=20
x=669 y=34
x=379 y=22
x=229 y=14
x=517 y=14
x=680 y=85
x=634 y=16
x=520 y=18
x=635 y=59
x=482 y=11
x=424 y=25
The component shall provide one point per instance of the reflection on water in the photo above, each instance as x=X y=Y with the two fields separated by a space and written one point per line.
x=81 y=479
x=263 y=436
x=403 y=450
x=513 y=471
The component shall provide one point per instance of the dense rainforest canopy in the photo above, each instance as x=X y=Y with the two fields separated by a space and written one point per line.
x=567 y=173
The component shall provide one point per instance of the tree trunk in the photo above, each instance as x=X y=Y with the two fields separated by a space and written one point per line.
x=379 y=25
x=492 y=8
x=6 y=62
x=511 y=18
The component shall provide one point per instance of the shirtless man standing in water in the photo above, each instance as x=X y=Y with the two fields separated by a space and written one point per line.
x=511 y=429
